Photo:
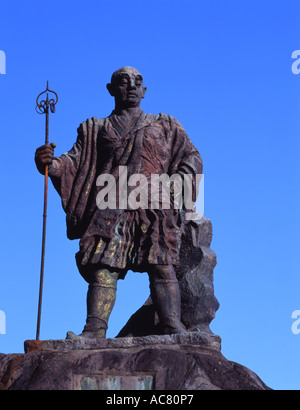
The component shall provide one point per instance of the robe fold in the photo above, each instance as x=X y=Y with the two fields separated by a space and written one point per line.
x=123 y=238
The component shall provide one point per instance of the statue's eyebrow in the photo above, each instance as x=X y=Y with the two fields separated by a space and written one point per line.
x=123 y=74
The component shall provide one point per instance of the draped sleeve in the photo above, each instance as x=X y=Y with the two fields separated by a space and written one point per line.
x=63 y=170
x=73 y=176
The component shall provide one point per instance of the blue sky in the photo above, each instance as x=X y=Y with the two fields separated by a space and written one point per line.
x=223 y=69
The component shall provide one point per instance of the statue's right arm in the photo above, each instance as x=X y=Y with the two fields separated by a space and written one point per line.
x=69 y=161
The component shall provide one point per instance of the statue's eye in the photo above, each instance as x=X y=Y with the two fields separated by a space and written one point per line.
x=123 y=80
x=138 y=81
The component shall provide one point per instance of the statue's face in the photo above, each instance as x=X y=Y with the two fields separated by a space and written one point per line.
x=127 y=87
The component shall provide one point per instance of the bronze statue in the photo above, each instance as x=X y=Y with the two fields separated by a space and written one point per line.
x=116 y=239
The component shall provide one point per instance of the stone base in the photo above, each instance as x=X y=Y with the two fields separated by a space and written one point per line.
x=207 y=341
x=190 y=361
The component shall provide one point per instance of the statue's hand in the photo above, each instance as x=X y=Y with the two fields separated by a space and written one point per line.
x=44 y=156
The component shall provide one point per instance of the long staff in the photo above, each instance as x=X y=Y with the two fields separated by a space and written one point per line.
x=42 y=107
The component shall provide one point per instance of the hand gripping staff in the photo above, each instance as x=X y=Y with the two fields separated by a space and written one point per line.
x=42 y=107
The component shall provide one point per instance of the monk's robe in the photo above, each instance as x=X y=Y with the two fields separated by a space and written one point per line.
x=123 y=238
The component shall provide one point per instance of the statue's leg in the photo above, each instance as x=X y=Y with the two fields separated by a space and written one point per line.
x=165 y=295
x=101 y=298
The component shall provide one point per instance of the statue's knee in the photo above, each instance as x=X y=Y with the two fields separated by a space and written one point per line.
x=105 y=278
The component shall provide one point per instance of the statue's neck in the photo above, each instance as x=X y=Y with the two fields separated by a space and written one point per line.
x=128 y=112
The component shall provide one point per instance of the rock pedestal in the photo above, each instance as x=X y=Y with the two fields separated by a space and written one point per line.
x=139 y=358
x=190 y=361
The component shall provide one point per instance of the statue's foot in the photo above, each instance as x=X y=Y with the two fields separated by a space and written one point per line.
x=98 y=334
x=171 y=330
x=72 y=336
x=94 y=334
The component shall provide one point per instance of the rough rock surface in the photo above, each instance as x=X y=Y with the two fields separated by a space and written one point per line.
x=190 y=361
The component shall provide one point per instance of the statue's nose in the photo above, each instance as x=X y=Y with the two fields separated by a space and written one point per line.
x=132 y=84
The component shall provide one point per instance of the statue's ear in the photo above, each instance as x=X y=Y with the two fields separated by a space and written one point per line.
x=110 y=89
x=144 y=90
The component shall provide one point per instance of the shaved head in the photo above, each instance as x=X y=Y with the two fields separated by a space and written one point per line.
x=127 y=70
x=126 y=87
